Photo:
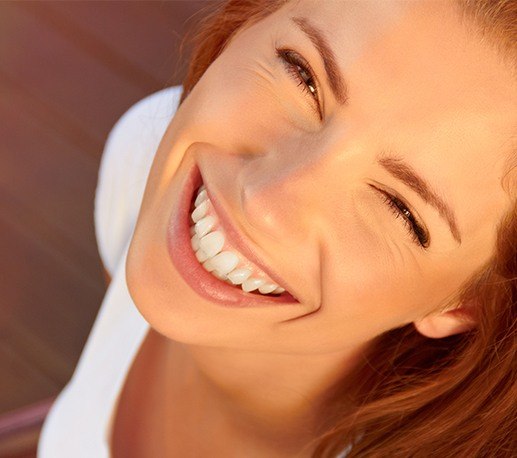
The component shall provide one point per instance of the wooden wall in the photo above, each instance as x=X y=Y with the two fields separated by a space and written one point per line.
x=68 y=71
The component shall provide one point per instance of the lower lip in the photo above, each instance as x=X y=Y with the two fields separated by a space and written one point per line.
x=186 y=263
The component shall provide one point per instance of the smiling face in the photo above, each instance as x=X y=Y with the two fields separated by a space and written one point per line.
x=306 y=171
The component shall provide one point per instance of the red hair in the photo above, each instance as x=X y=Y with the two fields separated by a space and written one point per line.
x=412 y=395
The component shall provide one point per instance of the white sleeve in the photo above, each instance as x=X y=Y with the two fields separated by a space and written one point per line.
x=124 y=167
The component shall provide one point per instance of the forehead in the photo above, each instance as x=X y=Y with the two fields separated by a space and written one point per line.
x=413 y=45
x=400 y=55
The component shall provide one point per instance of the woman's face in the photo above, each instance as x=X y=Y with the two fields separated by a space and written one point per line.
x=309 y=194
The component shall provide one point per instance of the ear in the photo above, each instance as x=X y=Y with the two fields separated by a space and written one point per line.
x=446 y=323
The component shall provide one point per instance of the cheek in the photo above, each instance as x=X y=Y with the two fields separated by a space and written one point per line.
x=241 y=103
x=373 y=286
x=224 y=104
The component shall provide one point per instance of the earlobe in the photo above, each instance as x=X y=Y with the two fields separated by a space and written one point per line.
x=444 y=324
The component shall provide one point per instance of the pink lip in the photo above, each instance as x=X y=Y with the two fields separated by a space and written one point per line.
x=186 y=263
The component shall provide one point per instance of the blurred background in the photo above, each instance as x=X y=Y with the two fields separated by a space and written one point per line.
x=68 y=71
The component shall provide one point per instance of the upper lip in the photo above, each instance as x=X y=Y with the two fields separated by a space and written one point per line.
x=241 y=243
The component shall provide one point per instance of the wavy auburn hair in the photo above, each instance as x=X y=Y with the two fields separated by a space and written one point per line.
x=414 y=396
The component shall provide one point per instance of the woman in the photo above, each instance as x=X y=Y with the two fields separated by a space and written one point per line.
x=325 y=250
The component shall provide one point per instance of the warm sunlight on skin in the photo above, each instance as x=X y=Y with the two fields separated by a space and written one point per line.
x=306 y=192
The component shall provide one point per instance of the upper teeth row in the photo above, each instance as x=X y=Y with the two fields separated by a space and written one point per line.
x=222 y=264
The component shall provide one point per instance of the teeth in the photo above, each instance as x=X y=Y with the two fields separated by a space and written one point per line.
x=212 y=243
x=202 y=196
x=207 y=246
x=200 y=211
x=225 y=262
x=205 y=225
x=194 y=240
x=238 y=276
x=252 y=284
x=219 y=275
x=267 y=288
x=208 y=265
x=201 y=255
x=223 y=266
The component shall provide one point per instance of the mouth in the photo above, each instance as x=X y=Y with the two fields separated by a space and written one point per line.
x=213 y=258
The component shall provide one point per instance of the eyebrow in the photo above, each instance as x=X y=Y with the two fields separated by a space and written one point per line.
x=334 y=77
x=405 y=173
x=392 y=164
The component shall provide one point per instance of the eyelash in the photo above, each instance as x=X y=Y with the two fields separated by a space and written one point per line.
x=295 y=63
x=292 y=61
x=415 y=230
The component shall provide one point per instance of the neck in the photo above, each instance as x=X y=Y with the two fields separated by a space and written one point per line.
x=268 y=395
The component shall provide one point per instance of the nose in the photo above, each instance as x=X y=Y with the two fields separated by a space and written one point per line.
x=288 y=193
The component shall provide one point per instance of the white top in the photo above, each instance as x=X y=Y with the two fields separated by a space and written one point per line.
x=79 y=422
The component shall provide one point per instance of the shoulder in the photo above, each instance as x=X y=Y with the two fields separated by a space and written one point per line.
x=124 y=167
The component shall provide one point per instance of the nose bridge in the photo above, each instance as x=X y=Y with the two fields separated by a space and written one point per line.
x=287 y=189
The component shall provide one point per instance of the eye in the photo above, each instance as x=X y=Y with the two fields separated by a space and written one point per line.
x=415 y=229
x=300 y=70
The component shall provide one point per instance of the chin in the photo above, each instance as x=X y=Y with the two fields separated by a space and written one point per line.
x=165 y=302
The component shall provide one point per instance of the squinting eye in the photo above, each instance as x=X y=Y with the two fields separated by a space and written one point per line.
x=300 y=70
x=415 y=230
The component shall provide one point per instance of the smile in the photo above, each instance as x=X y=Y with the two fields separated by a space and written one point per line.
x=216 y=265
x=218 y=256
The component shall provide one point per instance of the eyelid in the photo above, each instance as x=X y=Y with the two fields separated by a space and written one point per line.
x=417 y=222
x=281 y=52
x=314 y=73
x=404 y=201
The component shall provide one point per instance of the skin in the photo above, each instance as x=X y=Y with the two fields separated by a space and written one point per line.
x=299 y=188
